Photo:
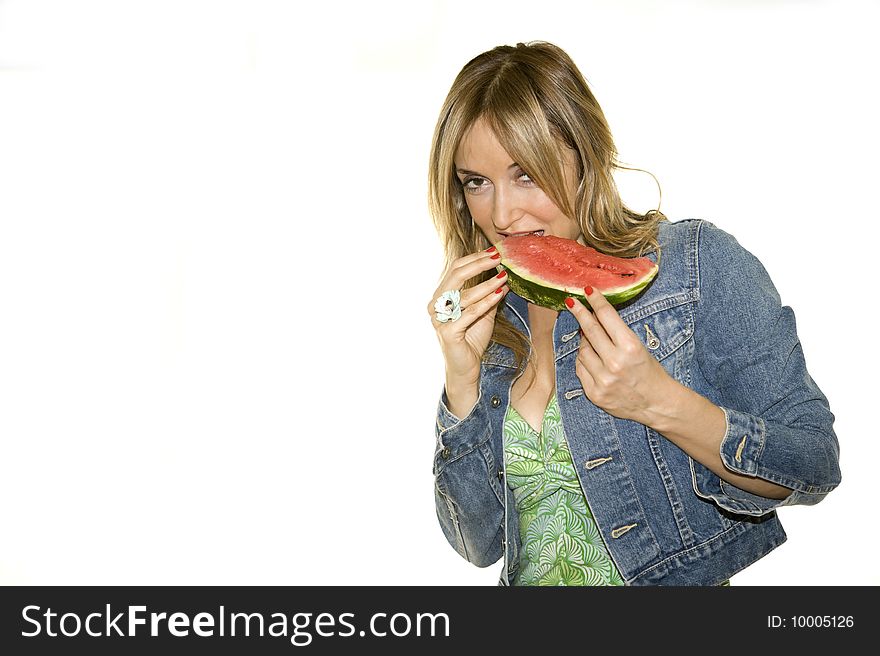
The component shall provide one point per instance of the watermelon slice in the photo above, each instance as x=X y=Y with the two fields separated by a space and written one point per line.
x=545 y=270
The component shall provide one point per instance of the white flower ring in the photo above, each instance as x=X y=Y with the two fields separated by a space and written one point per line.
x=448 y=306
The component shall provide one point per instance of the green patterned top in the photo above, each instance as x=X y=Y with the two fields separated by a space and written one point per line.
x=561 y=544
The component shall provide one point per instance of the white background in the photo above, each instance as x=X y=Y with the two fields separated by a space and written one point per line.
x=215 y=256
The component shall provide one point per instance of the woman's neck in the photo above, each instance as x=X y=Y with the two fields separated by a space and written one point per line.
x=541 y=319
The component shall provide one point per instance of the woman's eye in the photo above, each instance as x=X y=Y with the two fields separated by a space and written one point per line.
x=524 y=177
x=474 y=185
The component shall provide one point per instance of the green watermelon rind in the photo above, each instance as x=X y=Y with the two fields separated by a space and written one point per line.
x=554 y=297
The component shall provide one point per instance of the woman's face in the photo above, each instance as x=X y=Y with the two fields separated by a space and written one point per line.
x=501 y=197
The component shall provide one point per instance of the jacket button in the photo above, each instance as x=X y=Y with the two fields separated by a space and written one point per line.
x=500 y=474
x=495 y=401
x=445 y=453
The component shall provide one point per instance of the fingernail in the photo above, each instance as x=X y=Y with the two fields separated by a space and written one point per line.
x=502 y=274
x=490 y=249
x=569 y=301
x=588 y=290
x=496 y=256
x=500 y=289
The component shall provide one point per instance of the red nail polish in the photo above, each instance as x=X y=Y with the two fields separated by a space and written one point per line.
x=569 y=302
x=490 y=249
x=500 y=289
x=588 y=290
x=502 y=274
x=496 y=256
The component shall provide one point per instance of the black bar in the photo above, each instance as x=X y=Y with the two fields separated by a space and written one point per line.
x=503 y=618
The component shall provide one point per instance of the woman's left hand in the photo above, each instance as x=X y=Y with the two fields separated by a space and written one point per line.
x=617 y=372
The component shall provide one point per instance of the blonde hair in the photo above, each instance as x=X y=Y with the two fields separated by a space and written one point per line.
x=536 y=101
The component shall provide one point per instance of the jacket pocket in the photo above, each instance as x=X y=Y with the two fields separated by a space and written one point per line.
x=664 y=327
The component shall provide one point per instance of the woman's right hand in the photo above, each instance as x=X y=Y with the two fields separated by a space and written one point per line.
x=464 y=340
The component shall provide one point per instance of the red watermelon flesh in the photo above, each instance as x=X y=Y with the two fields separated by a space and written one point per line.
x=545 y=270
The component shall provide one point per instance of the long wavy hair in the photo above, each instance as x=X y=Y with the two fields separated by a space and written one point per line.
x=536 y=101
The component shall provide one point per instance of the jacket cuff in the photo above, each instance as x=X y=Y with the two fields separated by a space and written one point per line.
x=740 y=451
x=743 y=442
x=457 y=437
x=708 y=485
x=445 y=418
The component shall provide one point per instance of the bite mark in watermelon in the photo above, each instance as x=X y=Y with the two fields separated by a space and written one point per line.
x=545 y=270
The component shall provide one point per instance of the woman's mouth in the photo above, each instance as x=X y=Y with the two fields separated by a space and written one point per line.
x=537 y=233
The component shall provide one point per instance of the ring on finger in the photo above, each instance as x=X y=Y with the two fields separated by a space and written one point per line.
x=447 y=307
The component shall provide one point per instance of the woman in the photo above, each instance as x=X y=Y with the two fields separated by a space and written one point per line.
x=647 y=444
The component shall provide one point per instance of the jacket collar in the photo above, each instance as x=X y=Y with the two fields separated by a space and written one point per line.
x=518 y=311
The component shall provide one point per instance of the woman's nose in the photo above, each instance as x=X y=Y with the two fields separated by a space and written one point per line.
x=505 y=208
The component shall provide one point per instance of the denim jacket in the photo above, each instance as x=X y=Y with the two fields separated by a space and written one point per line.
x=713 y=319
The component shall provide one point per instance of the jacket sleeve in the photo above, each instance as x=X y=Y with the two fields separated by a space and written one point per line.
x=779 y=424
x=466 y=487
